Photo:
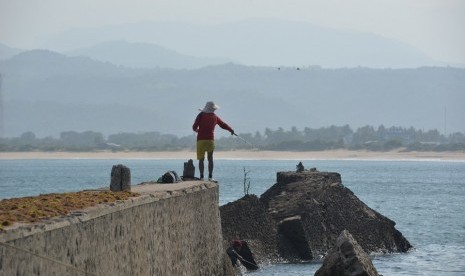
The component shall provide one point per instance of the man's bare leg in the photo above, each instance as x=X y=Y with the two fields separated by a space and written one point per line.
x=210 y=164
x=201 y=167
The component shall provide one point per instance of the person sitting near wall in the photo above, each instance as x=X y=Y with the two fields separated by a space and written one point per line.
x=233 y=254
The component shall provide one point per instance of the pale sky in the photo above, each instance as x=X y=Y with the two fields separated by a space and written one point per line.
x=436 y=27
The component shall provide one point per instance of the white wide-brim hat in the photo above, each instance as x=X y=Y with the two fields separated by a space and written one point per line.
x=210 y=107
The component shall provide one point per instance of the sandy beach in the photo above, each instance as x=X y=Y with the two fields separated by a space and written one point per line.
x=246 y=155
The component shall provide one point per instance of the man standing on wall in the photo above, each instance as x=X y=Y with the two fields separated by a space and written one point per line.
x=204 y=125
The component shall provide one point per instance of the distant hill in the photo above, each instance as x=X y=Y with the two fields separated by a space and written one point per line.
x=46 y=92
x=40 y=64
x=260 y=42
x=143 y=55
x=7 y=52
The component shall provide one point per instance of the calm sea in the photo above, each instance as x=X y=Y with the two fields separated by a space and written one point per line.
x=425 y=198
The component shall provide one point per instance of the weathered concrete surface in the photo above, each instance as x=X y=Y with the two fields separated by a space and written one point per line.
x=170 y=229
x=347 y=258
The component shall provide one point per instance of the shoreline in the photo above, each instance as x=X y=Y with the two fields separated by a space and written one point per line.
x=244 y=155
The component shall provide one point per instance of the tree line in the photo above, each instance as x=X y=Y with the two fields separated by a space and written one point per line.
x=308 y=139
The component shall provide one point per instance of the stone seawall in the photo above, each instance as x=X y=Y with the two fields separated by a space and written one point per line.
x=172 y=229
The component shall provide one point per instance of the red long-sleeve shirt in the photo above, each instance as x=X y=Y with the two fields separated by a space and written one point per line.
x=205 y=124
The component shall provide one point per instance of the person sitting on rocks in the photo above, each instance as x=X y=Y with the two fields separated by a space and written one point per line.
x=233 y=254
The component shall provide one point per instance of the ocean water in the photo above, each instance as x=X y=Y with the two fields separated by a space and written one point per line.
x=426 y=199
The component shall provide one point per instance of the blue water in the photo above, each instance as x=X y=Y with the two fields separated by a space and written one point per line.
x=425 y=198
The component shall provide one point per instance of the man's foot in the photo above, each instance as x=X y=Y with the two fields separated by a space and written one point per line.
x=201 y=179
x=212 y=180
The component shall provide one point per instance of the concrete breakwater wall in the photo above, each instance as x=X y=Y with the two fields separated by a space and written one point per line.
x=171 y=229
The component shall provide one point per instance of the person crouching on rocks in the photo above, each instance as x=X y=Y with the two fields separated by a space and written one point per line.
x=233 y=254
x=204 y=125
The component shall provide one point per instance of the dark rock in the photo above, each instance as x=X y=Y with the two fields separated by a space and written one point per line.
x=300 y=167
x=189 y=170
x=120 y=178
x=247 y=219
x=301 y=216
x=283 y=178
x=292 y=241
x=325 y=208
x=347 y=258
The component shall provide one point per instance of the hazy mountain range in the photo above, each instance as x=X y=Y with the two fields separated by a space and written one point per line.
x=261 y=42
x=47 y=93
x=143 y=55
x=7 y=52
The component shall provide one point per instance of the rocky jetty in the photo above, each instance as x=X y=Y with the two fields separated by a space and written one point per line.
x=301 y=216
x=347 y=258
x=247 y=219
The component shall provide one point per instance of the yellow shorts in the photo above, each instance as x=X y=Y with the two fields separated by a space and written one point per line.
x=204 y=146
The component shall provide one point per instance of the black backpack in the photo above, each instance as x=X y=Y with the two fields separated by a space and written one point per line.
x=170 y=177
